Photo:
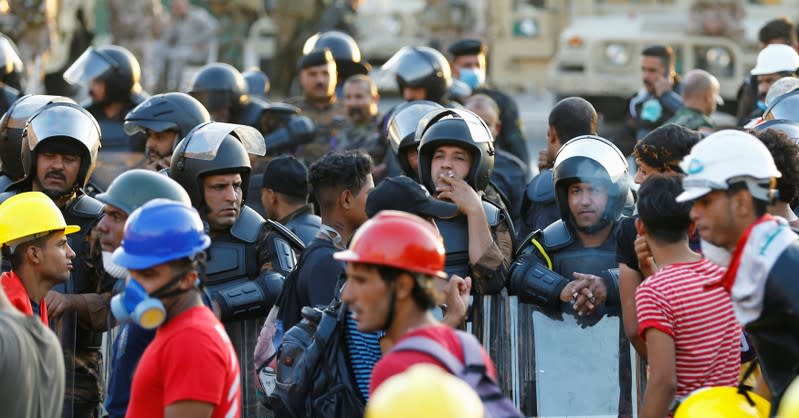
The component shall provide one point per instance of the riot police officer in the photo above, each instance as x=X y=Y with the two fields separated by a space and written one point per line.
x=60 y=144
x=11 y=127
x=402 y=134
x=568 y=272
x=11 y=69
x=221 y=88
x=422 y=73
x=456 y=158
x=345 y=51
x=249 y=256
x=165 y=119
x=111 y=74
x=258 y=84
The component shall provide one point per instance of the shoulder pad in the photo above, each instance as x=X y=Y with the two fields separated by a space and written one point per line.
x=248 y=226
x=293 y=239
x=86 y=207
x=556 y=235
x=493 y=213
x=541 y=188
x=5 y=195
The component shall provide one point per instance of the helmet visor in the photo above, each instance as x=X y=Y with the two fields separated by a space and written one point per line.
x=784 y=107
x=204 y=142
x=9 y=57
x=132 y=127
x=410 y=64
x=601 y=151
x=26 y=106
x=90 y=65
x=65 y=120
x=405 y=120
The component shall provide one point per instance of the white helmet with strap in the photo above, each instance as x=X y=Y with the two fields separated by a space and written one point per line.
x=724 y=158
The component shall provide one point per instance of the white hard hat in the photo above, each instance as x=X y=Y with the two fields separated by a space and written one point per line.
x=776 y=58
x=723 y=157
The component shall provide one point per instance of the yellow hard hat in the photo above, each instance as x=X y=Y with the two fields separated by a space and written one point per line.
x=789 y=405
x=26 y=215
x=424 y=391
x=722 y=402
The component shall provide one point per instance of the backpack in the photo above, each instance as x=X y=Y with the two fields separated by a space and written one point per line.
x=473 y=371
x=313 y=376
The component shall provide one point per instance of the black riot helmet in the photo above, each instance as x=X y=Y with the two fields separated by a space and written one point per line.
x=11 y=66
x=11 y=126
x=215 y=148
x=784 y=107
x=458 y=127
x=219 y=87
x=257 y=82
x=421 y=66
x=61 y=127
x=114 y=65
x=344 y=50
x=402 y=129
x=169 y=111
x=591 y=159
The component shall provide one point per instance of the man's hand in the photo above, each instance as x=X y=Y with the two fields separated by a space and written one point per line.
x=57 y=303
x=586 y=292
x=460 y=193
x=663 y=86
x=544 y=162
x=646 y=262
x=457 y=300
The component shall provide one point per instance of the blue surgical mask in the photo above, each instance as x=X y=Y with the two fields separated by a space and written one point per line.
x=144 y=309
x=473 y=77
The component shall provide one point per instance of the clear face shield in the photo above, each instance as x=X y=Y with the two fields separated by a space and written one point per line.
x=90 y=65
x=204 y=141
x=65 y=120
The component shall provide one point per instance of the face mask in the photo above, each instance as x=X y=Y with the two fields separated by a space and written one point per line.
x=716 y=254
x=135 y=305
x=473 y=77
x=114 y=270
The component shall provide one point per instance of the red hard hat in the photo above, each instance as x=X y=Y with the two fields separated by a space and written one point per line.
x=399 y=240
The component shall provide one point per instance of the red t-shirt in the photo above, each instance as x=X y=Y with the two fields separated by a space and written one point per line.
x=707 y=337
x=397 y=362
x=191 y=358
x=19 y=297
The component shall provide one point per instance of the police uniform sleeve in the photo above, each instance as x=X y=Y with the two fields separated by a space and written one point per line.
x=491 y=270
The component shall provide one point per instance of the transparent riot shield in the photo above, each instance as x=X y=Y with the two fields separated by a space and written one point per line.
x=582 y=366
x=492 y=316
x=243 y=335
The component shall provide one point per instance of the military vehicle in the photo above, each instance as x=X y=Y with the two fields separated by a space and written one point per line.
x=597 y=50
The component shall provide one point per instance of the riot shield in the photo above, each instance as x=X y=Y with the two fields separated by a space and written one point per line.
x=243 y=335
x=581 y=366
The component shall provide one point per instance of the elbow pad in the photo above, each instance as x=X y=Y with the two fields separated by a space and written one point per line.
x=533 y=283
x=241 y=299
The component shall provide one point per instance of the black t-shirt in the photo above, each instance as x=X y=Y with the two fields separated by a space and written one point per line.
x=625 y=243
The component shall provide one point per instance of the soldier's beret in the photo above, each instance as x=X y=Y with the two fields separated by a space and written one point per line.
x=467 y=47
x=315 y=58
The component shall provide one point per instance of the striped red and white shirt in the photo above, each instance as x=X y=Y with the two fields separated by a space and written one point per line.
x=707 y=337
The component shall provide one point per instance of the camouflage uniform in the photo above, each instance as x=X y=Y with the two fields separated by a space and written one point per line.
x=133 y=25
x=366 y=137
x=329 y=121
x=296 y=21
x=691 y=119
x=235 y=18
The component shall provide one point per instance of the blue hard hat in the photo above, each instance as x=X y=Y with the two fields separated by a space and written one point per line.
x=160 y=231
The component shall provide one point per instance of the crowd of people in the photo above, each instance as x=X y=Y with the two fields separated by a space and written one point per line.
x=211 y=253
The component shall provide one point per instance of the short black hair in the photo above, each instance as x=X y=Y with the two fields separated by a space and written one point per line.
x=338 y=171
x=785 y=152
x=779 y=28
x=664 y=147
x=17 y=257
x=424 y=298
x=665 y=219
x=664 y=52
x=573 y=117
